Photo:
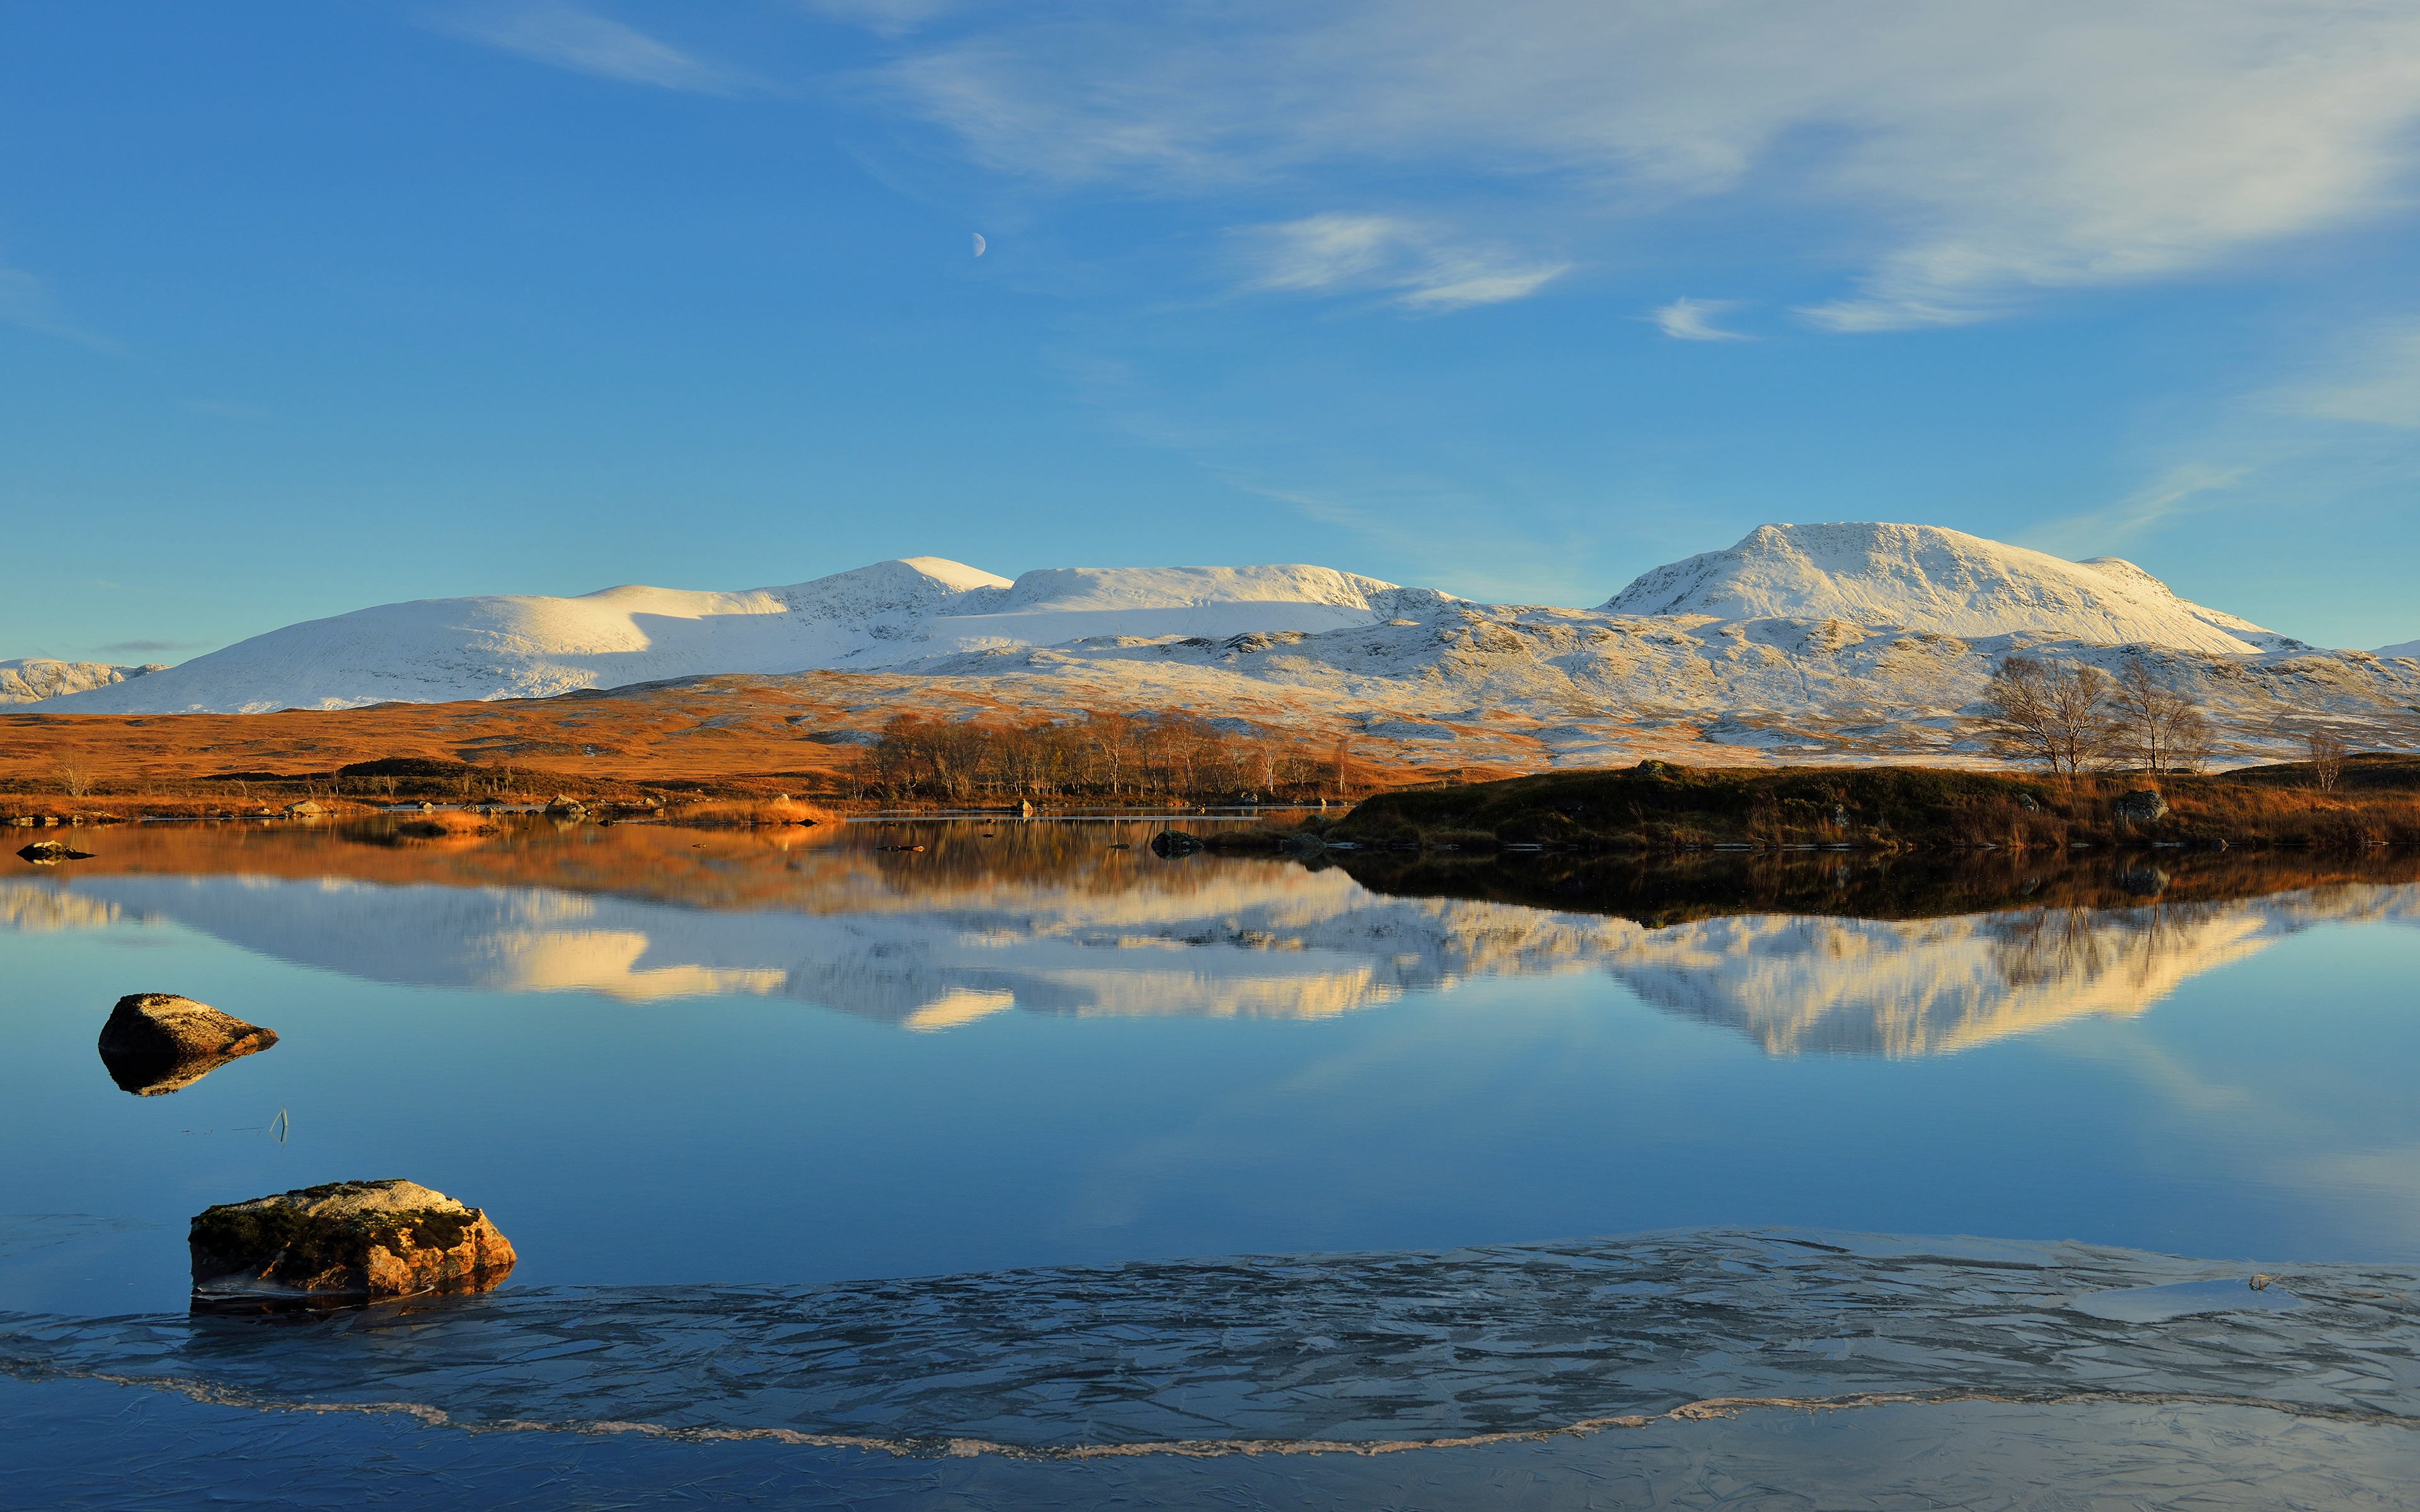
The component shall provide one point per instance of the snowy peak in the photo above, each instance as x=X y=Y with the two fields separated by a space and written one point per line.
x=1927 y=578
x=28 y=678
x=1057 y=605
x=1114 y=588
x=534 y=645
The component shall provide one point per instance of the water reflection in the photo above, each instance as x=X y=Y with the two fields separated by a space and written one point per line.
x=1827 y=954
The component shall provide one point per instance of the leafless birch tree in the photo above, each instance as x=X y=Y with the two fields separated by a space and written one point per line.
x=2326 y=751
x=2157 y=728
x=2058 y=717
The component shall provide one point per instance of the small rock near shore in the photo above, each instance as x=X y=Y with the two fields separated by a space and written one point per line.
x=341 y=1244
x=51 y=850
x=157 y=1042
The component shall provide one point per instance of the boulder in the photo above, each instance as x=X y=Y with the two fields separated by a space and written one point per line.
x=158 y=1042
x=1169 y=843
x=2141 y=806
x=50 y=850
x=305 y=810
x=342 y=1244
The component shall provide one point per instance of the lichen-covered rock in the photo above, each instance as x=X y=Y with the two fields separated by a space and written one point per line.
x=343 y=1244
x=157 y=1042
x=2141 y=806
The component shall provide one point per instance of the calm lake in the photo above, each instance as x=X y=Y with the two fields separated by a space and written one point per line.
x=820 y=1152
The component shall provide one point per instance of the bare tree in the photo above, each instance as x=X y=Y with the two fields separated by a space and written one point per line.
x=2326 y=751
x=2059 y=718
x=2158 y=728
x=76 y=779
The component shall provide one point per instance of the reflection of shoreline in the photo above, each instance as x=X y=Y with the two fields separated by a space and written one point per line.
x=1235 y=940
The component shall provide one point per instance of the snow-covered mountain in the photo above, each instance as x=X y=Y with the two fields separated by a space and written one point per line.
x=528 y=646
x=30 y=678
x=1923 y=577
x=1802 y=643
x=2407 y=648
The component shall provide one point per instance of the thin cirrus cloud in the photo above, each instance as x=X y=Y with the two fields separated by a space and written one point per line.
x=1983 y=155
x=2377 y=385
x=567 y=37
x=27 y=300
x=1413 y=265
x=1687 y=319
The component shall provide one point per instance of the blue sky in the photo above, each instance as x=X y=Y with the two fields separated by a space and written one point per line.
x=308 y=306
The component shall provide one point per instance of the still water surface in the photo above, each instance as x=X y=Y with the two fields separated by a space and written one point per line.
x=662 y=1057
x=666 y=1056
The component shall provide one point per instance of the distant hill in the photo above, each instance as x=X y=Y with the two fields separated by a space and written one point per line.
x=1802 y=643
x=26 y=680
x=1923 y=577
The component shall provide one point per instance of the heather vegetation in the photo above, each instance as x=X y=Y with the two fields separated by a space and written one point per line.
x=1659 y=805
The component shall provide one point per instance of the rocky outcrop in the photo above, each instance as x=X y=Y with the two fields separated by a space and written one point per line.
x=159 y=1043
x=342 y=1244
x=42 y=677
x=2140 y=807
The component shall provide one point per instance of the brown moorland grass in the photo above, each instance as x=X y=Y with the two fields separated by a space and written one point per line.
x=1659 y=805
x=721 y=741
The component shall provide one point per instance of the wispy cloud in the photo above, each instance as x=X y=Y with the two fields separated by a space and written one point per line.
x=2378 y=384
x=1986 y=154
x=567 y=37
x=887 y=18
x=1413 y=264
x=225 y=410
x=27 y=300
x=1687 y=319
x=2177 y=492
x=138 y=647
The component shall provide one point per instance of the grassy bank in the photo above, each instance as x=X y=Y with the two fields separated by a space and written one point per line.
x=1660 y=807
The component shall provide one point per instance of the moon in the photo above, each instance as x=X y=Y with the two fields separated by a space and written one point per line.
x=980 y=244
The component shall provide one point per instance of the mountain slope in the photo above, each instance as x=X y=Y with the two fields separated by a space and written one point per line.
x=1923 y=577
x=41 y=677
x=1802 y=643
x=530 y=646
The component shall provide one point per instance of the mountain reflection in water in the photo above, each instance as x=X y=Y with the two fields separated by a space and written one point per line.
x=1832 y=953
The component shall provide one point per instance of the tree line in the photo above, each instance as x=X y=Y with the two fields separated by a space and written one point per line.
x=1103 y=755
x=2078 y=719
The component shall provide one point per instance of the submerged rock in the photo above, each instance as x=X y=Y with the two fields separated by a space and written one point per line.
x=51 y=850
x=342 y=1244
x=159 y=1043
x=1169 y=843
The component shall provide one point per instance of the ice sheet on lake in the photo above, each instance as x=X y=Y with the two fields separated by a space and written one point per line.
x=1382 y=1349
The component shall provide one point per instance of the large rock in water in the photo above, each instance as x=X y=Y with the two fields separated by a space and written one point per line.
x=157 y=1042
x=342 y=1244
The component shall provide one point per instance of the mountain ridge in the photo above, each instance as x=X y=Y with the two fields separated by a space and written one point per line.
x=1802 y=643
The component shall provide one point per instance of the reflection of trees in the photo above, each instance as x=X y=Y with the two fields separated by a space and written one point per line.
x=2079 y=946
